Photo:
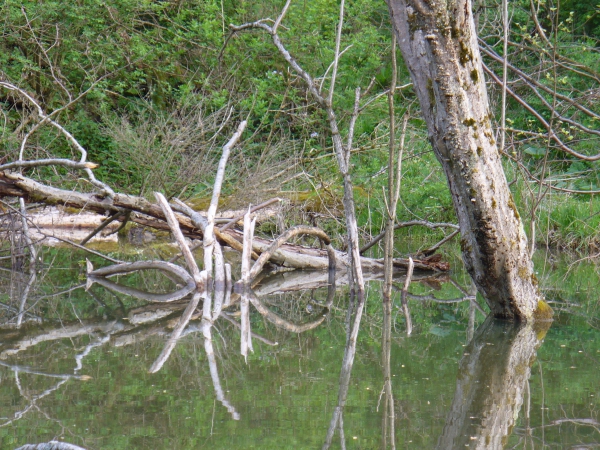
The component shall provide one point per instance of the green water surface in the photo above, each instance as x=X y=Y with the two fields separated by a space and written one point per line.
x=284 y=396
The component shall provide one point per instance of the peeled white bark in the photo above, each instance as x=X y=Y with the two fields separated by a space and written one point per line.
x=439 y=44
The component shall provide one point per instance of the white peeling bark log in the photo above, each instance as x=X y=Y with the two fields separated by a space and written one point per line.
x=288 y=255
x=439 y=44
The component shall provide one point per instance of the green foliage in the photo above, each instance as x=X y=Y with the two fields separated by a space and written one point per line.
x=147 y=64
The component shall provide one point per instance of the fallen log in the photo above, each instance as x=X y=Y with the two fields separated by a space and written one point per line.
x=288 y=255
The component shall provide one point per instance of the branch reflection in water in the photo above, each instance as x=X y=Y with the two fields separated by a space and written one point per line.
x=491 y=384
x=244 y=294
x=347 y=362
x=490 y=388
x=388 y=434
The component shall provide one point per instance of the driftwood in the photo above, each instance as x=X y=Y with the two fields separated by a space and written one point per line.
x=150 y=214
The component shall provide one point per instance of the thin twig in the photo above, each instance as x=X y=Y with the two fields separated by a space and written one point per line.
x=106 y=222
x=336 y=59
x=411 y=223
x=281 y=16
x=433 y=248
x=504 y=71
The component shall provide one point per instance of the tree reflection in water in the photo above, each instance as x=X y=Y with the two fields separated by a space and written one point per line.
x=490 y=388
x=492 y=379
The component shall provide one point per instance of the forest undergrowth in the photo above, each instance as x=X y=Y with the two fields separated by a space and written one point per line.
x=152 y=89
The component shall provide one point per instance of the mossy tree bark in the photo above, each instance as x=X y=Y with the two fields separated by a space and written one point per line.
x=439 y=44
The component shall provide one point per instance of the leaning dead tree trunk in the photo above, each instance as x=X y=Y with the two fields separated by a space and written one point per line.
x=439 y=44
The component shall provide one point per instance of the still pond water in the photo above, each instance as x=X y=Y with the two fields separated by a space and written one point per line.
x=81 y=374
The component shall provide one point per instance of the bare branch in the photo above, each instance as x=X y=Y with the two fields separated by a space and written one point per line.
x=551 y=134
x=235 y=220
x=291 y=61
x=504 y=71
x=174 y=225
x=47 y=119
x=545 y=183
x=283 y=238
x=106 y=222
x=488 y=51
x=281 y=16
x=49 y=162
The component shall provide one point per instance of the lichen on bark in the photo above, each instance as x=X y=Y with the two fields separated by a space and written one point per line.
x=439 y=45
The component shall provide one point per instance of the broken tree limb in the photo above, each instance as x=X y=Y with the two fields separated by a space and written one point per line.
x=48 y=162
x=210 y=242
x=199 y=221
x=106 y=222
x=185 y=249
x=431 y=250
x=99 y=276
x=47 y=118
x=236 y=219
x=33 y=190
x=245 y=335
